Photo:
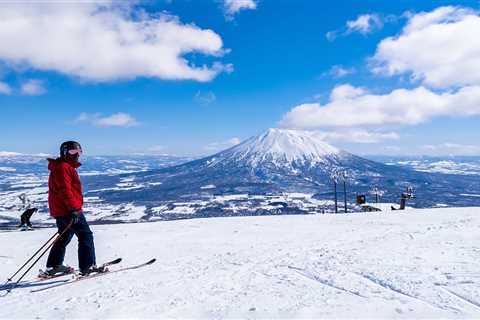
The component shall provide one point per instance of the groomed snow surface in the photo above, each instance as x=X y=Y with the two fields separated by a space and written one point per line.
x=412 y=264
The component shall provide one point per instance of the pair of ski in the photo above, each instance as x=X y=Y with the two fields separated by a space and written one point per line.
x=43 y=275
x=93 y=275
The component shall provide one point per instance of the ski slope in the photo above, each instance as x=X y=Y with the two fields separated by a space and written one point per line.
x=412 y=264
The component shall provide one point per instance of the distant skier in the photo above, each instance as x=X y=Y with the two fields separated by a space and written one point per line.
x=65 y=201
x=25 y=223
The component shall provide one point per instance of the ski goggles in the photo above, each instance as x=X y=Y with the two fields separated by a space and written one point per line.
x=75 y=151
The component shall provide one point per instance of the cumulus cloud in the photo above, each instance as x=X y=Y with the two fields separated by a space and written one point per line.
x=33 y=87
x=355 y=107
x=363 y=24
x=234 y=6
x=449 y=148
x=5 y=88
x=438 y=48
x=115 y=120
x=205 y=98
x=217 y=146
x=105 y=41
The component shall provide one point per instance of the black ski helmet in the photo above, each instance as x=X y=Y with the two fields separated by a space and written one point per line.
x=69 y=145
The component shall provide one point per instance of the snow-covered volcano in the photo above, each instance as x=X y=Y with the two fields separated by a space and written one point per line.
x=276 y=155
x=282 y=147
x=287 y=152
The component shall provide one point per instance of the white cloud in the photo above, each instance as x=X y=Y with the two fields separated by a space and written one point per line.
x=338 y=71
x=115 y=120
x=354 y=107
x=364 y=24
x=205 y=98
x=33 y=87
x=217 y=146
x=439 y=48
x=234 y=6
x=104 y=41
x=5 y=88
x=345 y=91
x=449 y=148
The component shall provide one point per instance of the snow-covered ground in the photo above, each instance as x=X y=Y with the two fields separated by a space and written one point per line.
x=411 y=264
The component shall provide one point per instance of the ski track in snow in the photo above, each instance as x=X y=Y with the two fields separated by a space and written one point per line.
x=463 y=299
x=325 y=282
x=413 y=264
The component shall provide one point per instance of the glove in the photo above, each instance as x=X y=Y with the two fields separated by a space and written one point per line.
x=74 y=216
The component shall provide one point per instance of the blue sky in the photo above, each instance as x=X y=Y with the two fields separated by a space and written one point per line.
x=294 y=64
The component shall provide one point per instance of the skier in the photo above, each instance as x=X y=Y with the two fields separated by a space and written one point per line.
x=25 y=223
x=65 y=201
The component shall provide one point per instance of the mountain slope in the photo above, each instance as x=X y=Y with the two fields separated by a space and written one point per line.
x=289 y=161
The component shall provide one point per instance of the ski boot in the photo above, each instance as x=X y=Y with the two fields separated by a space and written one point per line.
x=93 y=269
x=57 y=271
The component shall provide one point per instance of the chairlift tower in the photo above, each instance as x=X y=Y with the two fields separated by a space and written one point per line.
x=377 y=192
x=334 y=177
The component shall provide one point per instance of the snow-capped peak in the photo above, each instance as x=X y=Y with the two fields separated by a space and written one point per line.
x=285 y=145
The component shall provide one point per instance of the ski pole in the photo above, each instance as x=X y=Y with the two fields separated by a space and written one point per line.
x=41 y=255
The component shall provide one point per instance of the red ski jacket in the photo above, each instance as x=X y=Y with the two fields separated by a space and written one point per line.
x=64 y=187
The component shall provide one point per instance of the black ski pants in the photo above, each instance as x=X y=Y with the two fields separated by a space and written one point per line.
x=86 y=247
x=26 y=215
